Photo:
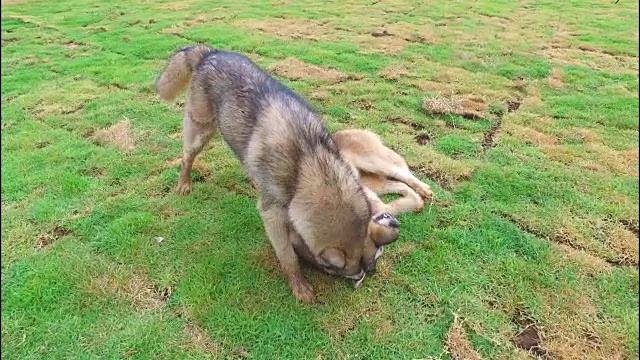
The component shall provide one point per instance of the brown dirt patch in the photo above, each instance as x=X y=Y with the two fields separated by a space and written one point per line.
x=625 y=243
x=555 y=79
x=528 y=337
x=295 y=69
x=458 y=345
x=200 y=339
x=467 y=107
x=118 y=135
x=47 y=239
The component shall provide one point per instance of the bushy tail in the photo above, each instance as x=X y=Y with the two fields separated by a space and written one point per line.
x=177 y=74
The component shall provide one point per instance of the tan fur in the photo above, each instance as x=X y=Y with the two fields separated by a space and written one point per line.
x=382 y=171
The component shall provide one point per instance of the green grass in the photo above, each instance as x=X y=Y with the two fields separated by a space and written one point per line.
x=541 y=222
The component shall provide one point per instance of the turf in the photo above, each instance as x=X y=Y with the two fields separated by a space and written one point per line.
x=531 y=246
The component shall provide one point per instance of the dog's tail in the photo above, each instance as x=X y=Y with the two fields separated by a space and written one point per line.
x=177 y=73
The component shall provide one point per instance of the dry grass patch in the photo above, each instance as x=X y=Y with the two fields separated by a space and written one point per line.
x=49 y=238
x=573 y=331
x=393 y=72
x=201 y=340
x=528 y=135
x=292 y=29
x=177 y=28
x=555 y=79
x=134 y=288
x=589 y=264
x=295 y=69
x=458 y=345
x=625 y=243
x=118 y=135
x=593 y=59
x=469 y=107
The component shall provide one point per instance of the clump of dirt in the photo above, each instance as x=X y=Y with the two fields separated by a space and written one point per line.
x=71 y=45
x=295 y=69
x=458 y=345
x=423 y=139
x=47 y=239
x=467 y=107
x=555 y=79
x=380 y=33
x=408 y=122
x=118 y=135
x=488 y=140
x=529 y=337
x=513 y=105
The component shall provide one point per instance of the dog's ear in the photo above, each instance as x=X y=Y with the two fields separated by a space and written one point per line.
x=334 y=257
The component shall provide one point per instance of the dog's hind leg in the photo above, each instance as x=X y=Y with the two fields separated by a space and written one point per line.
x=198 y=128
x=391 y=169
x=410 y=200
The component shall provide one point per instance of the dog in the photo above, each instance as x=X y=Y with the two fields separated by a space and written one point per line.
x=382 y=171
x=310 y=199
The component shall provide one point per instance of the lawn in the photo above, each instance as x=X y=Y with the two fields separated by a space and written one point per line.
x=522 y=116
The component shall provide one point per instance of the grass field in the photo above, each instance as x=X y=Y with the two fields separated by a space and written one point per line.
x=523 y=116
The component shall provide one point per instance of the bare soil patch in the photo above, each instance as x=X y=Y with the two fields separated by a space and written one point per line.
x=47 y=239
x=528 y=338
x=118 y=135
x=458 y=345
x=295 y=69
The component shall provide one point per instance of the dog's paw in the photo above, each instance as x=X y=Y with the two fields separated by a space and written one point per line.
x=183 y=188
x=302 y=290
x=424 y=190
x=420 y=205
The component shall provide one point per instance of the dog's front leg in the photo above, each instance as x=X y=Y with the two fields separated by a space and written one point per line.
x=275 y=221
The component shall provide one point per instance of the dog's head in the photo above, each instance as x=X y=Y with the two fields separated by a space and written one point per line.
x=384 y=229
x=353 y=262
